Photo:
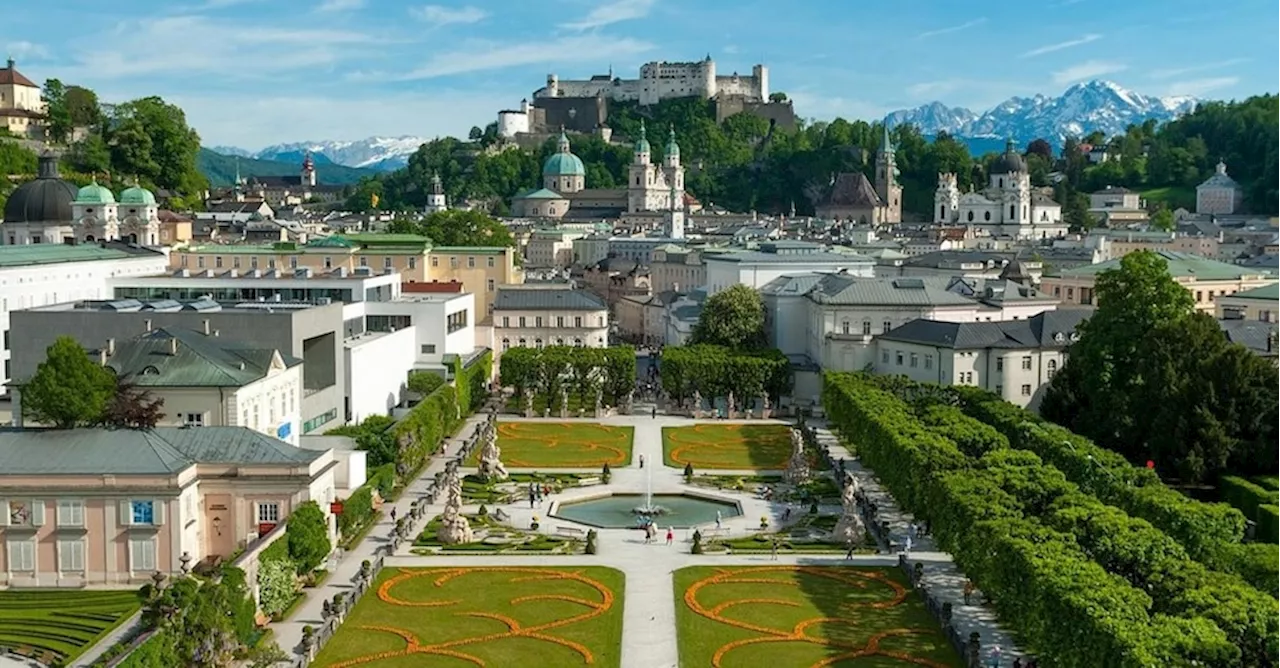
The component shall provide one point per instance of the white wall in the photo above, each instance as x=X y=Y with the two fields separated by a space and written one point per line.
x=378 y=366
x=722 y=275
x=42 y=285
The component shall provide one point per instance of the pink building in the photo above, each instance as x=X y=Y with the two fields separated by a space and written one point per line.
x=111 y=507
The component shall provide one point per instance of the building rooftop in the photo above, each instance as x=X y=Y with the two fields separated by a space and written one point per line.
x=1050 y=329
x=552 y=299
x=1266 y=293
x=1260 y=337
x=159 y=451
x=299 y=274
x=32 y=254
x=1181 y=265
x=202 y=305
x=851 y=290
x=177 y=357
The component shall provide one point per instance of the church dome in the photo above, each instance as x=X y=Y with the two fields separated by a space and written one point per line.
x=136 y=194
x=1010 y=162
x=673 y=149
x=95 y=194
x=642 y=144
x=563 y=162
x=46 y=199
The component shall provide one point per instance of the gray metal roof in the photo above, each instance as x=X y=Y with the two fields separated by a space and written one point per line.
x=850 y=290
x=1048 y=330
x=534 y=299
x=820 y=257
x=160 y=451
x=195 y=360
x=791 y=284
x=1252 y=334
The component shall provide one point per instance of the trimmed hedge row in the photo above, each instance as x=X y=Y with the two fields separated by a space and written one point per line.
x=1269 y=524
x=472 y=381
x=1245 y=496
x=1064 y=604
x=1202 y=528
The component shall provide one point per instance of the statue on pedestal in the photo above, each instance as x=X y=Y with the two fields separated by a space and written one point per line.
x=764 y=406
x=627 y=400
x=797 y=472
x=697 y=404
x=599 y=403
x=491 y=459
x=731 y=407
x=528 y=402
x=849 y=529
x=454 y=528
x=564 y=402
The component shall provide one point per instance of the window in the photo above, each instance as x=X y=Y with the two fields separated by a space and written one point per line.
x=71 y=556
x=928 y=361
x=577 y=321
x=537 y=343
x=506 y=343
x=271 y=263
x=70 y=513
x=456 y=321
x=194 y=420
x=884 y=357
x=1026 y=390
x=22 y=556
x=506 y=321
x=200 y=262
x=235 y=262
x=435 y=261
x=522 y=321
x=217 y=262
x=453 y=262
x=413 y=261
x=999 y=364
x=577 y=343
x=898 y=357
x=142 y=512
x=537 y=321
x=1000 y=390
x=364 y=261
x=490 y=285
x=142 y=555
x=1026 y=362
x=915 y=360
x=1199 y=296
x=471 y=262
x=970 y=217
x=490 y=261
x=1052 y=368
x=1071 y=293
x=293 y=261
x=844 y=327
x=886 y=326
x=866 y=328
x=559 y=321
x=328 y=262
x=268 y=512
x=428 y=349
x=386 y=263
x=523 y=342
x=253 y=261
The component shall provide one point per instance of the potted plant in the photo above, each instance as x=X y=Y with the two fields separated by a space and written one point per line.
x=764 y=521
x=533 y=525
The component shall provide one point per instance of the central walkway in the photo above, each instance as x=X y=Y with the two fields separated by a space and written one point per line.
x=649 y=612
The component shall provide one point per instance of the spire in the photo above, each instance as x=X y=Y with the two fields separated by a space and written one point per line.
x=643 y=132
x=886 y=144
x=1011 y=146
x=237 y=181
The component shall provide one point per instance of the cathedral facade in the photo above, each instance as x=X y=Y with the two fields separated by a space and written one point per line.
x=1007 y=207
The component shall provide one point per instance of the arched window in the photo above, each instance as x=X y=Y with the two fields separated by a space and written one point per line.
x=1000 y=181
x=1013 y=212
x=970 y=216
x=942 y=212
x=986 y=215
x=577 y=343
x=844 y=327
x=523 y=343
x=1052 y=367
x=506 y=343
x=537 y=343
x=88 y=237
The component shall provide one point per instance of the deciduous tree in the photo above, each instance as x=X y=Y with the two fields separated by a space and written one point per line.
x=733 y=318
x=68 y=389
x=308 y=536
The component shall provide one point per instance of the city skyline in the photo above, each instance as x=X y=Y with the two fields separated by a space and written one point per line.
x=251 y=73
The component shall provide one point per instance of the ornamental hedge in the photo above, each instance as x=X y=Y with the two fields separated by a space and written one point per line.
x=1268 y=524
x=1042 y=548
x=715 y=371
x=1244 y=495
x=472 y=381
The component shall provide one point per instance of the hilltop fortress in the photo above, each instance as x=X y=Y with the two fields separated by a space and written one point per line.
x=582 y=105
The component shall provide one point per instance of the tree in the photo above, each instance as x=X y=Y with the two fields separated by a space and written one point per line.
x=476 y=133
x=277 y=586
x=424 y=382
x=1042 y=148
x=464 y=228
x=733 y=318
x=1162 y=219
x=778 y=97
x=58 y=123
x=308 y=535
x=132 y=407
x=68 y=389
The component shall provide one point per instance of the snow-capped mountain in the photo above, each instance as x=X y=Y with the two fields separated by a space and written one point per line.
x=1084 y=107
x=231 y=150
x=380 y=153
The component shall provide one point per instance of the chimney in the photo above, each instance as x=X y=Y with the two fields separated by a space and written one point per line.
x=217 y=332
x=147 y=323
x=111 y=347
x=207 y=331
x=173 y=345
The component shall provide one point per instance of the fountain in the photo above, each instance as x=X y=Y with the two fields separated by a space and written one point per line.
x=648 y=511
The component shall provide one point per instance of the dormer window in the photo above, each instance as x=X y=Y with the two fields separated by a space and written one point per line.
x=150 y=371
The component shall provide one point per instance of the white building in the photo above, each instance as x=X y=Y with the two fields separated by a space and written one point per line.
x=37 y=275
x=551 y=248
x=1219 y=194
x=378 y=365
x=661 y=80
x=436 y=200
x=1016 y=359
x=22 y=107
x=444 y=323
x=778 y=258
x=1008 y=206
x=538 y=317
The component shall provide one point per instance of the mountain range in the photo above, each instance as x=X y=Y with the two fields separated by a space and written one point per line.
x=1083 y=108
x=221 y=168
x=381 y=154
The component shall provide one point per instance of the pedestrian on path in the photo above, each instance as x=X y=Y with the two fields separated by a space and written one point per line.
x=393 y=514
x=995 y=656
x=848 y=555
x=718 y=519
x=968 y=590
x=774 y=550
x=906 y=547
x=533 y=495
x=912 y=530
x=641 y=461
x=671 y=535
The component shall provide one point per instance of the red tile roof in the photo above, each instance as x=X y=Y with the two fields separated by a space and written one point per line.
x=11 y=76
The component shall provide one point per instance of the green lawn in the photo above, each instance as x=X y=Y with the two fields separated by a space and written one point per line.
x=748 y=616
x=64 y=622
x=485 y=616
x=1172 y=196
x=728 y=446
x=561 y=445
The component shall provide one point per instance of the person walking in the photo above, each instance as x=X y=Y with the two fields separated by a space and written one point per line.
x=655 y=413
x=532 y=495
x=773 y=550
x=848 y=555
x=671 y=535
x=718 y=519
x=641 y=461
x=968 y=590
x=393 y=514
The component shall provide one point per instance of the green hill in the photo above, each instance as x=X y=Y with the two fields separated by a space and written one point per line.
x=221 y=169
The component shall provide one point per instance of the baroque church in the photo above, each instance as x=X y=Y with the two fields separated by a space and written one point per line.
x=1007 y=207
x=850 y=196
x=52 y=210
x=654 y=191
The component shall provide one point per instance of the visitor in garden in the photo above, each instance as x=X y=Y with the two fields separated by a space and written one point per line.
x=393 y=514
x=533 y=495
x=849 y=553
x=641 y=461
x=995 y=657
x=717 y=519
x=671 y=535
x=968 y=590
x=773 y=550
x=911 y=531
x=906 y=546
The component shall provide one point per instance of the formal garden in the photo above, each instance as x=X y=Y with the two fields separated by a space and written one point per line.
x=55 y=626
x=484 y=616
x=492 y=536
x=761 y=447
x=784 y=615
x=566 y=445
x=567 y=381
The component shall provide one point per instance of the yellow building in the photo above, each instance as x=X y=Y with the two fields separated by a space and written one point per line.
x=480 y=269
x=1207 y=280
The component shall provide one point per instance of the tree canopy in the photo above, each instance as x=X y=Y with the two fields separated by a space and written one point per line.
x=733 y=318
x=308 y=536
x=1154 y=380
x=68 y=389
x=457 y=228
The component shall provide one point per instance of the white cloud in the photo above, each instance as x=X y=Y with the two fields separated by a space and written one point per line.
x=950 y=29
x=1196 y=69
x=613 y=12
x=1079 y=41
x=331 y=6
x=479 y=57
x=23 y=49
x=1200 y=87
x=439 y=15
x=1087 y=70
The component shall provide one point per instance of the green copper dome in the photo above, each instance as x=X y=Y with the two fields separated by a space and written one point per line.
x=642 y=144
x=563 y=162
x=95 y=194
x=673 y=149
x=136 y=194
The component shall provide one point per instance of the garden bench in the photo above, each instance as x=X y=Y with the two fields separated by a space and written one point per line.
x=589 y=481
x=573 y=532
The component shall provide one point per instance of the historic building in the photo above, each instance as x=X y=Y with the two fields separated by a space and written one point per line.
x=662 y=80
x=1219 y=194
x=655 y=189
x=435 y=199
x=52 y=210
x=1007 y=207
x=22 y=109
x=852 y=197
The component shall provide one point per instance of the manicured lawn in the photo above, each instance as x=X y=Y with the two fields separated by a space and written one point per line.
x=561 y=445
x=727 y=446
x=62 y=622
x=491 y=616
x=1172 y=196
x=748 y=616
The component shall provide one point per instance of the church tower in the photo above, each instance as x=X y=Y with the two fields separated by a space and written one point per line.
x=887 y=186
x=308 y=170
x=675 y=216
x=435 y=199
x=639 y=175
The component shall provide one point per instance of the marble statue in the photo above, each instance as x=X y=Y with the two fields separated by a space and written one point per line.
x=599 y=403
x=491 y=459
x=731 y=407
x=764 y=406
x=627 y=400
x=697 y=404
x=564 y=402
x=454 y=528
x=798 y=467
x=528 y=402
x=849 y=528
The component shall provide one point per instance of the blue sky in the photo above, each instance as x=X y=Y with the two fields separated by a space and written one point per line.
x=257 y=72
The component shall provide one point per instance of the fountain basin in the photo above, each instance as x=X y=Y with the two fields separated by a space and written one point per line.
x=618 y=511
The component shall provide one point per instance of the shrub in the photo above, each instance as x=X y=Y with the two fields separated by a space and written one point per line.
x=1268 y=523
x=424 y=382
x=592 y=541
x=276 y=551
x=308 y=537
x=1245 y=496
x=356 y=510
x=277 y=586
x=383 y=479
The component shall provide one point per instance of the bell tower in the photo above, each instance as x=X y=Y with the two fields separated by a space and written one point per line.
x=887 y=186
